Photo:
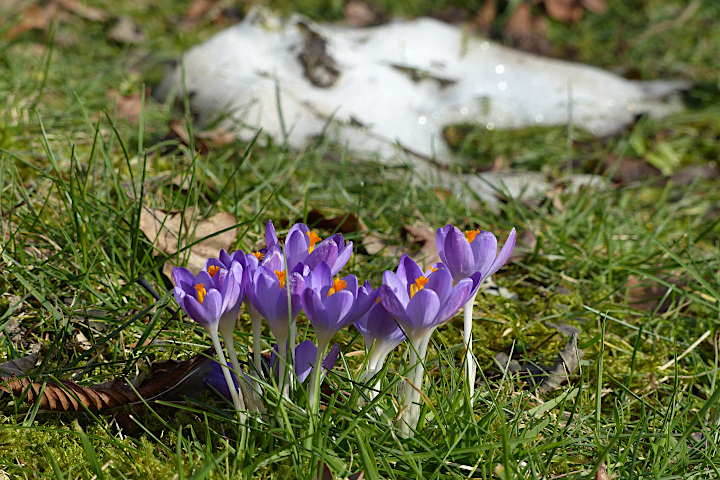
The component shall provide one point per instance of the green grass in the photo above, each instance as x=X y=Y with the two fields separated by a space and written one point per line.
x=75 y=177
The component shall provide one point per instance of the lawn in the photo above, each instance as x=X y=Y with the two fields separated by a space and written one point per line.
x=631 y=265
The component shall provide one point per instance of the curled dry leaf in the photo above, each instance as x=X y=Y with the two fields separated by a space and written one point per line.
x=547 y=378
x=126 y=31
x=648 y=295
x=171 y=231
x=18 y=366
x=169 y=379
x=425 y=236
x=601 y=473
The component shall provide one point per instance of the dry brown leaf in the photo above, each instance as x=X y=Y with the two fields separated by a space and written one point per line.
x=648 y=295
x=84 y=11
x=564 y=10
x=362 y=14
x=528 y=33
x=595 y=6
x=168 y=379
x=129 y=107
x=347 y=224
x=425 y=236
x=197 y=9
x=34 y=17
x=18 y=366
x=126 y=31
x=601 y=473
x=172 y=231
x=628 y=169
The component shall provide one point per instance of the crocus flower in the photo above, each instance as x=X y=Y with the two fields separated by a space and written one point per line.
x=466 y=255
x=305 y=354
x=207 y=300
x=268 y=292
x=420 y=302
x=382 y=335
x=305 y=246
x=331 y=305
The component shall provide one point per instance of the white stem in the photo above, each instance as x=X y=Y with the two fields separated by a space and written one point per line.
x=226 y=330
x=470 y=366
x=256 y=320
x=283 y=382
x=413 y=410
x=226 y=371
x=408 y=393
x=314 y=390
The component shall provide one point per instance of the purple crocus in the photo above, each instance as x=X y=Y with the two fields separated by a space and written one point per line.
x=474 y=253
x=331 y=305
x=382 y=335
x=420 y=302
x=303 y=245
x=211 y=299
x=277 y=297
x=305 y=354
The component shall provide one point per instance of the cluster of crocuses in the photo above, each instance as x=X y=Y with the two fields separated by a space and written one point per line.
x=278 y=281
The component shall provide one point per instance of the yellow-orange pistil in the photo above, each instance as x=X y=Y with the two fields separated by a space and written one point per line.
x=281 y=277
x=418 y=285
x=337 y=286
x=259 y=255
x=471 y=234
x=212 y=270
x=314 y=238
x=201 y=292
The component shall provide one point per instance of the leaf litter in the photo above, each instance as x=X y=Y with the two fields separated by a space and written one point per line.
x=168 y=379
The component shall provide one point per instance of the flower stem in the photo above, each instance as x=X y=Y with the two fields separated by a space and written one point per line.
x=314 y=391
x=227 y=335
x=470 y=366
x=256 y=320
x=226 y=372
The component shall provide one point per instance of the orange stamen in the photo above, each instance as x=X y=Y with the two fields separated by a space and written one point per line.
x=212 y=270
x=281 y=277
x=314 y=238
x=433 y=269
x=471 y=234
x=337 y=286
x=259 y=255
x=201 y=292
x=418 y=285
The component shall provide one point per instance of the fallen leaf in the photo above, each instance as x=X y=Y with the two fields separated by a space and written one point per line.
x=628 y=169
x=601 y=473
x=362 y=14
x=347 y=224
x=171 y=231
x=84 y=11
x=595 y=6
x=528 y=33
x=126 y=31
x=34 y=17
x=687 y=175
x=170 y=379
x=19 y=366
x=425 y=236
x=546 y=378
x=197 y=9
x=129 y=107
x=357 y=476
x=564 y=10
x=647 y=295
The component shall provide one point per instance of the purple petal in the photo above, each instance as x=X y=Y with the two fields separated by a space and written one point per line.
x=505 y=253
x=441 y=283
x=305 y=355
x=225 y=259
x=274 y=260
x=184 y=279
x=459 y=255
x=484 y=249
x=326 y=251
x=440 y=236
x=395 y=283
x=331 y=358
x=343 y=257
x=271 y=239
x=423 y=309
x=315 y=310
x=338 y=306
x=458 y=297
x=296 y=247
x=394 y=307
x=412 y=271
